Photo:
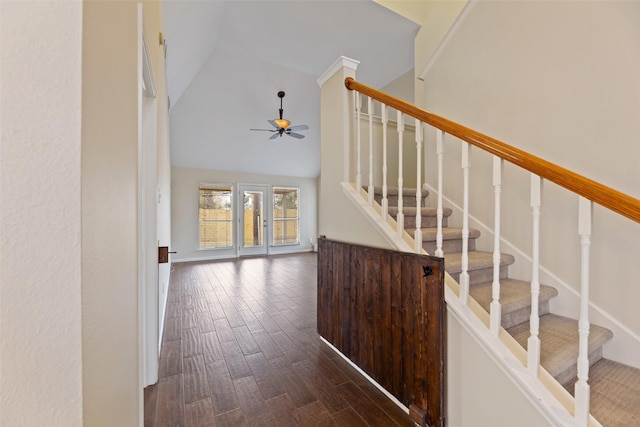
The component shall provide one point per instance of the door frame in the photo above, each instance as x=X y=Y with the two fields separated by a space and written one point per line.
x=266 y=229
x=149 y=316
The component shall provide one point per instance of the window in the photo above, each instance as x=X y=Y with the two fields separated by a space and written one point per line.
x=215 y=216
x=285 y=216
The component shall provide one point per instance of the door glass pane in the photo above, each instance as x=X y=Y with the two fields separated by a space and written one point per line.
x=253 y=218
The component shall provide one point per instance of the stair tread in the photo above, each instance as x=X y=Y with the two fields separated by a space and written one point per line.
x=559 y=341
x=477 y=261
x=514 y=294
x=615 y=392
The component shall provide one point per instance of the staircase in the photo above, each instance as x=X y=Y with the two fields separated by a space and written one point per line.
x=615 y=388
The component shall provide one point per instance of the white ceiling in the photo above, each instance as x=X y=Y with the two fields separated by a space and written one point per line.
x=226 y=61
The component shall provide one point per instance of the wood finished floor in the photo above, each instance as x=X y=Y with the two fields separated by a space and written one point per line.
x=240 y=348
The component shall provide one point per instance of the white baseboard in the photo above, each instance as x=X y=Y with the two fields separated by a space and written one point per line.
x=234 y=256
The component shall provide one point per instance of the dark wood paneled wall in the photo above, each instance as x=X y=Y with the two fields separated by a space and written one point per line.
x=385 y=311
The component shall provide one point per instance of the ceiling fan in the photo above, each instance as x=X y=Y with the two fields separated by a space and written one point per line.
x=281 y=126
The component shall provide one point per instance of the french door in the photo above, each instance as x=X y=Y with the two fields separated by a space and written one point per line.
x=253 y=221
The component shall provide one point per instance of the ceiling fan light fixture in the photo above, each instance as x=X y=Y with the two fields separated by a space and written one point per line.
x=283 y=126
x=282 y=123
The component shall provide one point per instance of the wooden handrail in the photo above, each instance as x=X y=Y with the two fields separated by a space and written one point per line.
x=614 y=200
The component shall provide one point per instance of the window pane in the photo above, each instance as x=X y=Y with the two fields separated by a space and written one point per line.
x=285 y=216
x=215 y=216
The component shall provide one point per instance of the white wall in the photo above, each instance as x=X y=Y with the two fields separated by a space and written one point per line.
x=111 y=374
x=402 y=87
x=478 y=391
x=559 y=80
x=436 y=19
x=184 y=214
x=40 y=286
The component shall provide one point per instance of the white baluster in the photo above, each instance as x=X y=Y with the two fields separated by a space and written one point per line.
x=358 y=142
x=385 y=202
x=582 y=389
x=418 y=234
x=533 y=344
x=439 y=210
x=425 y=157
x=400 y=216
x=371 y=186
x=464 y=274
x=496 y=308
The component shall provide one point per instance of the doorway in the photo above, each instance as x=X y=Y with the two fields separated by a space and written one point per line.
x=253 y=220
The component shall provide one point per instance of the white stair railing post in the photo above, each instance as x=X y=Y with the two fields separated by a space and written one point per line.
x=400 y=216
x=582 y=388
x=425 y=157
x=533 y=344
x=496 y=308
x=371 y=190
x=385 y=202
x=418 y=234
x=439 y=210
x=356 y=102
x=464 y=274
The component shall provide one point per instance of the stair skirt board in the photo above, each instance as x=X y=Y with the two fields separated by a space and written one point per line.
x=558 y=335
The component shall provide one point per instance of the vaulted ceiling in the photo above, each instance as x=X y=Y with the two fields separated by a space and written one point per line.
x=226 y=61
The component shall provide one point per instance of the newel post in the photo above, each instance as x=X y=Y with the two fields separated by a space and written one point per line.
x=335 y=113
x=337 y=158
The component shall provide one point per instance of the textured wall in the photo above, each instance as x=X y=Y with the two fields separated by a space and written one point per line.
x=40 y=336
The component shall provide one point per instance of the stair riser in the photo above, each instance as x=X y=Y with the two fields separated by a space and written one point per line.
x=448 y=246
x=409 y=202
x=523 y=315
x=570 y=374
x=481 y=275
x=427 y=222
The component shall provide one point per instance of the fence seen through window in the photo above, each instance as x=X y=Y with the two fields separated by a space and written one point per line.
x=215 y=215
x=285 y=216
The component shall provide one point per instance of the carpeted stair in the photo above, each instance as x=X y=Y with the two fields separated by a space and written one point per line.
x=615 y=388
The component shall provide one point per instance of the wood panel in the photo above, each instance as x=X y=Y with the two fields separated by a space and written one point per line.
x=385 y=311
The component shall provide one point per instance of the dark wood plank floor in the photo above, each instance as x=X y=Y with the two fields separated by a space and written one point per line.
x=240 y=348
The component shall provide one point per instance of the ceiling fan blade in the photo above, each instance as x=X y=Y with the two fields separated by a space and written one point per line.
x=299 y=127
x=274 y=136
x=266 y=130
x=295 y=135
x=273 y=124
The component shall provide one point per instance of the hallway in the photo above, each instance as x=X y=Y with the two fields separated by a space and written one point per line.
x=240 y=348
